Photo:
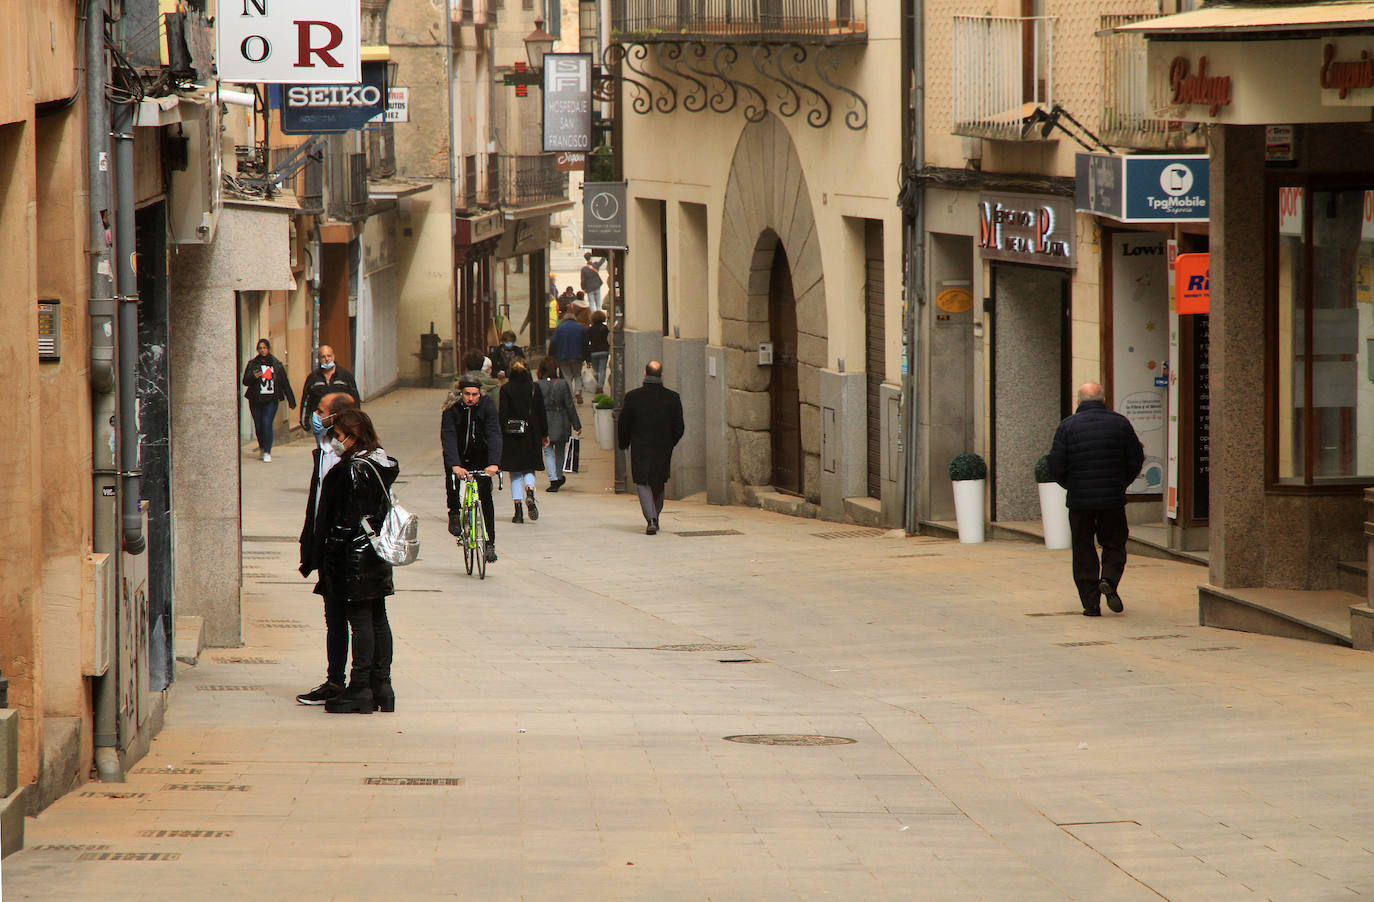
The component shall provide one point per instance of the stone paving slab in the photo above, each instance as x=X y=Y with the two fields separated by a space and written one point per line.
x=578 y=699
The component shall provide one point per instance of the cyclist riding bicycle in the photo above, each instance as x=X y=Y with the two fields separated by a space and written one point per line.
x=471 y=437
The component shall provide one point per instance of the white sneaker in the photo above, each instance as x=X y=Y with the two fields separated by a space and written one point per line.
x=266 y=458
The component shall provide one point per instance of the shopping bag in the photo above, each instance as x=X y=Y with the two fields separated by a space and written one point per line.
x=572 y=457
x=589 y=383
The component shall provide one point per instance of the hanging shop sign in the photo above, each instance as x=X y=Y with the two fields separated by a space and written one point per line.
x=604 y=223
x=567 y=102
x=397 y=105
x=332 y=109
x=290 y=42
x=1192 y=283
x=1027 y=228
x=1144 y=188
x=470 y=230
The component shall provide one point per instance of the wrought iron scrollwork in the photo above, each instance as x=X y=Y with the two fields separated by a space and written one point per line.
x=790 y=100
x=856 y=119
x=819 y=115
x=664 y=103
x=643 y=100
x=724 y=100
x=695 y=98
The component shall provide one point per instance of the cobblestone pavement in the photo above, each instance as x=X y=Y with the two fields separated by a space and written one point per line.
x=560 y=728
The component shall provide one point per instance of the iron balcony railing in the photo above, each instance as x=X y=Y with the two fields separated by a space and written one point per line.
x=357 y=186
x=381 y=151
x=1003 y=70
x=308 y=182
x=734 y=21
x=1128 y=116
x=525 y=180
x=467 y=194
x=347 y=175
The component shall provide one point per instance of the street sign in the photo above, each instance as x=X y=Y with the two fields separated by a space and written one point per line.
x=567 y=102
x=1144 y=187
x=332 y=109
x=604 y=220
x=290 y=42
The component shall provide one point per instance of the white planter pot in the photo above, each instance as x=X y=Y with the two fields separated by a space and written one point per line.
x=1054 y=514
x=968 y=509
x=605 y=428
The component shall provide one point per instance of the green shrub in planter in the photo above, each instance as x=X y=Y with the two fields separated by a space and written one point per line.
x=603 y=401
x=967 y=466
x=1042 y=469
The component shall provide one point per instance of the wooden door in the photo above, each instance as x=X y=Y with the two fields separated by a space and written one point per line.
x=784 y=386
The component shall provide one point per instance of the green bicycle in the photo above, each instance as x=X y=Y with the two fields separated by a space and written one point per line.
x=472 y=538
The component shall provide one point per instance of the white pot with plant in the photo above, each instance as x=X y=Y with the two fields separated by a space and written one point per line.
x=969 y=473
x=1054 y=506
x=603 y=414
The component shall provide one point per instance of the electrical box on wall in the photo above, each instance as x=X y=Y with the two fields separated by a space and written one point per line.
x=97 y=611
x=765 y=353
x=49 y=329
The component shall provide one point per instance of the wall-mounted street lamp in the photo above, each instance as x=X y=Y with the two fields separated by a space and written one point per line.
x=538 y=43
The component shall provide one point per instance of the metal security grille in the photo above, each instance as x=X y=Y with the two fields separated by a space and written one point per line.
x=875 y=351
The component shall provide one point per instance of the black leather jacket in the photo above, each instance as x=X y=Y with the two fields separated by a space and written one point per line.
x=334 y=543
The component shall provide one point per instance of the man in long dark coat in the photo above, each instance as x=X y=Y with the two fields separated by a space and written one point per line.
x=651 y=426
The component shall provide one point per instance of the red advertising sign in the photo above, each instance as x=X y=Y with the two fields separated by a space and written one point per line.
x=1192 y=283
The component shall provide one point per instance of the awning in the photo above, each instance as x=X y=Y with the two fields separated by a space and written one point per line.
x=1275 y=22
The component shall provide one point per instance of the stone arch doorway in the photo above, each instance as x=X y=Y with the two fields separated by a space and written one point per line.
x=769 y=230
x=784 y=386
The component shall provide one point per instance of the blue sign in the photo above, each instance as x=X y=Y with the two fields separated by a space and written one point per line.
x=1144 y=188
x=332 y=109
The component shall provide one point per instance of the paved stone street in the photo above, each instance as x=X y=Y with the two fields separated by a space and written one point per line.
x=580 y=697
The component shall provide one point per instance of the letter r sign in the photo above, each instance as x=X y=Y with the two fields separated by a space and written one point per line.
x=300 y=42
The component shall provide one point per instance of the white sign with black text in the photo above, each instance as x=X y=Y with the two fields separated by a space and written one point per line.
x=289 y=41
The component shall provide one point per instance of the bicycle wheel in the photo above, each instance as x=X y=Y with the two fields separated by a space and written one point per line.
x=466 y=541
x=479 y=534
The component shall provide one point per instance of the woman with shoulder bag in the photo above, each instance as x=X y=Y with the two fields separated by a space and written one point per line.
x=524 y=435
x=561 y=414
x=266 y=385
x=357 y=486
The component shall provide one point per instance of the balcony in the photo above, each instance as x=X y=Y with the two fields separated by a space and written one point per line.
x=308 y=182
x=528 y=180
x=740 y=21
x=1128 y=116
x=1003 y=71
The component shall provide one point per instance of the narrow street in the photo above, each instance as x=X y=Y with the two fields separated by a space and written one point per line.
x=561 y=727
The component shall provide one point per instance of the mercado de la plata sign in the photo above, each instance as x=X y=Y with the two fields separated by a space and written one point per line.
x=1027 y=228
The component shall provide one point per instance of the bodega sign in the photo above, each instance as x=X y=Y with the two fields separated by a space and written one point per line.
x=1027 y=228
x=303 y=42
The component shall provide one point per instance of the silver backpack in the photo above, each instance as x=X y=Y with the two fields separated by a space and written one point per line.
x=399 y=541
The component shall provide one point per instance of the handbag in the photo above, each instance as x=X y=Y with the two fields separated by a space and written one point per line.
x=399 y=541
x=515 y=427
x=572 y=457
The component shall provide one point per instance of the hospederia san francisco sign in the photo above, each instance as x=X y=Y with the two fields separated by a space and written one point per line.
x=299 y=42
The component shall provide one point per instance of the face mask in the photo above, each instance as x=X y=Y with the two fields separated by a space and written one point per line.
x=510 y=344
x=316 y=424
x=327 y=366
x=337 y=447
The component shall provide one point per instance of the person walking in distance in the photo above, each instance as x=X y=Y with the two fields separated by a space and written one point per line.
x=342 y=554
x=326 y=378
x=599 y=347
x=335 y=605
x=1096 y=455
x=524 y=435
x=470 y=433
x=265 y=387
x=568 y=345
x=591 y=279
x=651 y=426
x=561 y=415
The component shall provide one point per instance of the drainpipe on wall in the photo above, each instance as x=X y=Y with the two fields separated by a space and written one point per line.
x=916 y=270
x=127 y=331
x=102 y=316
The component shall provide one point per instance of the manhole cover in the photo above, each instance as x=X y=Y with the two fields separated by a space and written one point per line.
x=789 y=739
x=413 y=781
x=701 y=646
x=695 y=533
x=851 y=534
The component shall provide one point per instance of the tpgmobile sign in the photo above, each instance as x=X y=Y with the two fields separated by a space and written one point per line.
x=303 y=42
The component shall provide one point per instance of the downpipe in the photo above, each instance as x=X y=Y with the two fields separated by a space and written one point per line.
x=127 y=370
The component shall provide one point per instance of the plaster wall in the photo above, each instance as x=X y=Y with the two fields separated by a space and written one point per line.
x=424 y=277
x=684 y=371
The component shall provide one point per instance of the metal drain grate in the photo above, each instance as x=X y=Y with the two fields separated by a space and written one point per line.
x=789 y=739
x=920 y=554
x=185 y=834
x=292 y=539
x=280 y=624
x=218 y=688
x=114 y=795
x=170 y=771
x=701 y=646
x=697 y=533
x=205 y=787
x=851 y=534
x=1053 y=613
x=128 y=856
x=412 y=781
x=246 y=661
x=1160 y=636
x=1083 y=644
x=1218 y=648
x=69 y=847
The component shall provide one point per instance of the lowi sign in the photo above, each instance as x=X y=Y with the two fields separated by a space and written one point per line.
x=304 y=42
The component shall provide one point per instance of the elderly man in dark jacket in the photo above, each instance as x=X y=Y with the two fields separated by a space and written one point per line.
x=1096 y=455
x=651 y=426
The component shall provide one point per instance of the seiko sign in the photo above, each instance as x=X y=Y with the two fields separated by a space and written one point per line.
x=289 y=41
x=333 y=96
x=325 y=109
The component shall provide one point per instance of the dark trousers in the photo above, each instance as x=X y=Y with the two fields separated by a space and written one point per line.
x=650 y=499
x=483 y=495
x=1108 y=528
x=372 y=647
x=264 y=418
x=336 y=637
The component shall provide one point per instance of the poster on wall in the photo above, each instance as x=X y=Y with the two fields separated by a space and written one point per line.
x=1171 y=475
x=1140 y=346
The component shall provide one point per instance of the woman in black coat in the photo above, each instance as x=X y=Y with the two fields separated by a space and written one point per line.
x=338 y=549
x=561 y=415
x=524 y=434
x=265 y=387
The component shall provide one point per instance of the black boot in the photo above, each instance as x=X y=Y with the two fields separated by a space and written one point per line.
x=356 y=699
x=455 y=523
x=519 y=514
x=490 y=551
x=383 y=697
x=529 y=502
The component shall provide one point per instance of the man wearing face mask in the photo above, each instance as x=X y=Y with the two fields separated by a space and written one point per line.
x=506 y=353
x=335 y=608
x=325 y=379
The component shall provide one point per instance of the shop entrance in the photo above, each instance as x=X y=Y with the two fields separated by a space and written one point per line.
x=784 y=387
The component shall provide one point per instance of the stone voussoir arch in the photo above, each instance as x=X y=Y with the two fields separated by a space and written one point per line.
x=767 y=204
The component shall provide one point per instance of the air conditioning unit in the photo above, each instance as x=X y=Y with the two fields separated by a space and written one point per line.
x=195 y=190
x=97 y=613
